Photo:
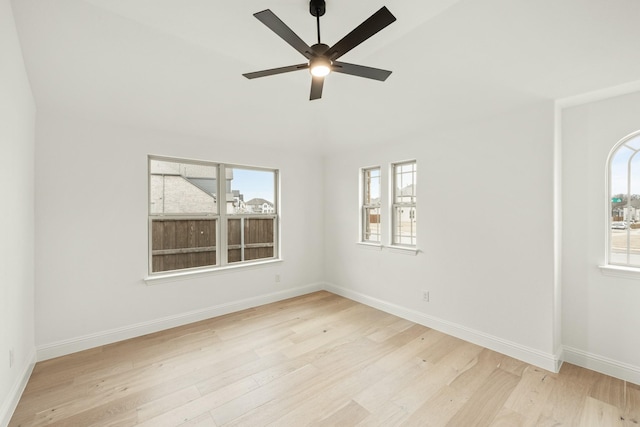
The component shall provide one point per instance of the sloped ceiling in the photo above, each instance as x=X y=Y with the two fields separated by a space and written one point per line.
x=176 y=65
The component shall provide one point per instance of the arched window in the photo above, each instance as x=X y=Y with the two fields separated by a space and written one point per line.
x=624 y=203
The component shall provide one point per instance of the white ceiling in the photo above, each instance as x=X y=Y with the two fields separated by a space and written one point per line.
x=176 y=64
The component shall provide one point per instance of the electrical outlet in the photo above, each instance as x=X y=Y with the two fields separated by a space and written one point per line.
x=277 y=278
x=11 y=358
x=425 y=296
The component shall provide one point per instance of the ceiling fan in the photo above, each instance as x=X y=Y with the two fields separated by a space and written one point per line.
x=322 y=59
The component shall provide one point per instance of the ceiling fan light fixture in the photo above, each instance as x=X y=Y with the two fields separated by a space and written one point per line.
x=319 y=66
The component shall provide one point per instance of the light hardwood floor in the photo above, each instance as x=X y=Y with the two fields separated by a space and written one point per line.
x=317 y=360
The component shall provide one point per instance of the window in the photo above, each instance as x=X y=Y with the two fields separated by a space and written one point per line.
x=189 y=229
x=403 y=208
x=251 y=223
x=623 y=202
x=371 y=205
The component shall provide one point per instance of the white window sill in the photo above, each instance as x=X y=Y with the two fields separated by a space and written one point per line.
x=404 y=250
x=396 y=249
x=192 y=274
x=620 y=271
x=371 y=246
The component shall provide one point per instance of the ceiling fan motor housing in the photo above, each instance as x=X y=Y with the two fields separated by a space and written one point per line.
x=319 y=48
x=317 y=7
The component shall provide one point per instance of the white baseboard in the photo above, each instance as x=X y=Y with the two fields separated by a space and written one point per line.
x=547 y=361
x=11 y=402
x=602 y=364
x=61 y=348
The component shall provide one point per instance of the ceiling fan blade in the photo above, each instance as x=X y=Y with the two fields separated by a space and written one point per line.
x=316 y=88
x=360 y=71
x=273 y=71
x=372 y=25
x=276 y=25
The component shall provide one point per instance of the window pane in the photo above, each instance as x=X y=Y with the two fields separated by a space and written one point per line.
x=634 y=186
x=234 y=240
x=179 y=244
x=634 y=143
x=250 y=238
x=258 y=238
x=372 y=231
x=181 y=188
x=405 y=183
x=618 y=237
x=404 y=232
x=250 y=191
x=372 y=186
x=619 y=170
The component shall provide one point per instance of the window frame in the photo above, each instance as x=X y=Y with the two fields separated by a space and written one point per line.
x=619 y=267
x=365 y=177
x=221 y=217
x=396 y=205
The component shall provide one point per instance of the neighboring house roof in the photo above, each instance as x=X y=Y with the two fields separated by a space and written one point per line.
x=257 y=201
x=208 y=185
x=408 y=191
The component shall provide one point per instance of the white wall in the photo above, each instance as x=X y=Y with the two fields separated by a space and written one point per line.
x=91 y=235
x=601 y=316
x=17 y=116
x=485 y=231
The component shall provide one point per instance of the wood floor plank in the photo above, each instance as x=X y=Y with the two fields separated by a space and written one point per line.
x=212 y=377
x=388 y=328
x=258 y=397
x=438 y=409
x=407 y=387
x=408 y=349
x=166 y=403
x=477 y=372
x=203 y=420
x=197 y=407
x=597 y=413
x=632 y=404
x=609 y=390
x=566 y=401
x=509 y=418
x=483 y=406
x=326 y=332
x=388 y=414
x=336 y=388
x=318 y=359
x=531 y=393
x=343 y=371
x=348 y=415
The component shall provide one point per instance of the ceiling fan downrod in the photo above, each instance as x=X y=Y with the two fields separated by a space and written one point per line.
x=317 y=8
